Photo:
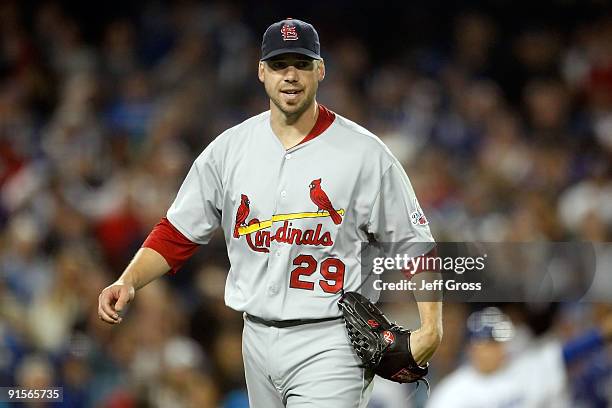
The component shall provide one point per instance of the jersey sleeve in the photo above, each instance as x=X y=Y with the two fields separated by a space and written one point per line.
x=396 y=217
x=196 y=210
x=170 y=243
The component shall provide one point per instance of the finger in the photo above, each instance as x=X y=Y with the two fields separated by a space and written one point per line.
x=105 y=317
x=105 y=304
x=124 y=298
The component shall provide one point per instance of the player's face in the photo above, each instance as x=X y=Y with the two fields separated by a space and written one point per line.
x=291 y=81
x=487 y=356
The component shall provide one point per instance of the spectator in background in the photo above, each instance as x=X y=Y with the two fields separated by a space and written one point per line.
x=500 y=374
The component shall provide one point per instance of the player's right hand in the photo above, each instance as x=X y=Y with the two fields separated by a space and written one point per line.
x=113 y=300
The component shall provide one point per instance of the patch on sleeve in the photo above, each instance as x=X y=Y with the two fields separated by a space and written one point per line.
x=417 y=217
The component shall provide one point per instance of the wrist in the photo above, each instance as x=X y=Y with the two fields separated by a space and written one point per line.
x=125 y=282
x=423 y=344
x=431 y=332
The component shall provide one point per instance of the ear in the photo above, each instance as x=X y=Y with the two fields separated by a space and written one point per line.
x=261 y=71
x=321 y=69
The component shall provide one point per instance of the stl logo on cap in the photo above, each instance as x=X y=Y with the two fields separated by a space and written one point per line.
x=289 y=33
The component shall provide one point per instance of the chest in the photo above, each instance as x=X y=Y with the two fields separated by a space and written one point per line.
x=297 y=184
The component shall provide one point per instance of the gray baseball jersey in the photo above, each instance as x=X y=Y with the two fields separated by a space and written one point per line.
x=294 y=219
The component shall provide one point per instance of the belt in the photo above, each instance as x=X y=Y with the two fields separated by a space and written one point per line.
x=289 y=323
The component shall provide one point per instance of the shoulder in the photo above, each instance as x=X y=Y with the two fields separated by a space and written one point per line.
x=544 y=356
x=457 y=389
x=449 y=392
x=358 y=133
x=461 y=379
x=357 y=137
x=233 y=138
x=237 y=132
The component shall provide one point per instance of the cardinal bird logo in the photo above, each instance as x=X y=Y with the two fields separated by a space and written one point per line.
x=318 y=196
x=241 y=214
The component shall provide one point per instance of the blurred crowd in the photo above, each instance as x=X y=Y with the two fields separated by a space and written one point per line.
x=506 y=136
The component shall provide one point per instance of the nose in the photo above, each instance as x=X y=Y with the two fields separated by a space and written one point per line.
x=291 y=74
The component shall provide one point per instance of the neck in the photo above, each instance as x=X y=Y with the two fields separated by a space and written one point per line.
x=291 y=129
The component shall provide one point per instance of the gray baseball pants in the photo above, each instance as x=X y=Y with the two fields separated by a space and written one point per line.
x=310 y=365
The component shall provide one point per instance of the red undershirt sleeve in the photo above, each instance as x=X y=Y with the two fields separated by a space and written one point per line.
x=171 y=244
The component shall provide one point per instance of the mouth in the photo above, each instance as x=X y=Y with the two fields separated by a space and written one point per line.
x=291 y=94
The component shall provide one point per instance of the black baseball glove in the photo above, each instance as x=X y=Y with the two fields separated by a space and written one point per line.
x=384 y=347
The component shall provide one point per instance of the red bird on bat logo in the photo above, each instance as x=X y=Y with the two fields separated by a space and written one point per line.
x=241 y=214
x=318 y=196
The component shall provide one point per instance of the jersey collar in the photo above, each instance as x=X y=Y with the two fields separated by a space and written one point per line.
x=324 y=120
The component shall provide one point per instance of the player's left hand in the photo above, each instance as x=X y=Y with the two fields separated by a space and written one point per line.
x=424 y=342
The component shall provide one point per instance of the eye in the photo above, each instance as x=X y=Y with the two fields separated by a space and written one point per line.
x=304 y=65
x=278 y=65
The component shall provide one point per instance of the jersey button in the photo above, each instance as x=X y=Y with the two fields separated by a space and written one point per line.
x=278 y=253
x=283 y=194
x=273 y=289
x=288 y=156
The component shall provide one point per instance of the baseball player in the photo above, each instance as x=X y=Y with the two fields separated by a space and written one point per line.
x=296 y=190
x=533 y=375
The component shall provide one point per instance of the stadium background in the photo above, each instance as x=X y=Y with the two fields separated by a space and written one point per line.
x=502 y=116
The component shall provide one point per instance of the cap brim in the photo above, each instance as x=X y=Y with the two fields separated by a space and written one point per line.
x=302 y=51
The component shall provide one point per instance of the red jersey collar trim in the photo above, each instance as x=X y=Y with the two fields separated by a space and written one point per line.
x=324 y=120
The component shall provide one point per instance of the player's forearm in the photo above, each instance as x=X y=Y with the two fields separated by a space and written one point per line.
x=146 y=266
x=427 y=338
x=431 y=318
x=429 y=301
